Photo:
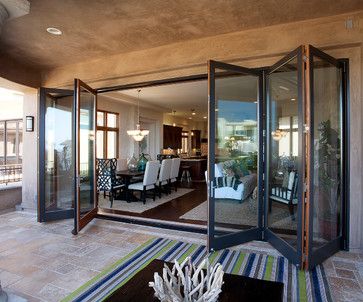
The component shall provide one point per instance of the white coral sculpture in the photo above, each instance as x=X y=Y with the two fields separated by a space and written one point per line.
x=187 y=283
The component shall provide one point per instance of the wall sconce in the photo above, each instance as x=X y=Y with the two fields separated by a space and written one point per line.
x=29 y=123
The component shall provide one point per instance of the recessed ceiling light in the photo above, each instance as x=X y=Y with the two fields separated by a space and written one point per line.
x=190 y=118
x=284 y=88
x=255 y=102
x=293 y=99
x=204 y=117
x=54 y=31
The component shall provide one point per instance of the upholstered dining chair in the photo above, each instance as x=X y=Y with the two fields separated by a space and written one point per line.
x=107 y=180
x=149 y=181
x=164 y=176
x=174 y=173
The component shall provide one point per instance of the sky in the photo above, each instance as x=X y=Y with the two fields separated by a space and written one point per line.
x=11 y=104
x=236 y=111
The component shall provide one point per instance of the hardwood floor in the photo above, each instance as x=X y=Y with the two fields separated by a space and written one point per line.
x=172 y=210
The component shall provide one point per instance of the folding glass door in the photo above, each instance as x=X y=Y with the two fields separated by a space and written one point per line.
x=287 y=150
x=67 y=150
x=86 y=205
x=56 y=161
x=234 y=146
x=285 y=156
x=326 y=206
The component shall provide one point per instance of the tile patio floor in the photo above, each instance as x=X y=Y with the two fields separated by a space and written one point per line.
x=45 y=262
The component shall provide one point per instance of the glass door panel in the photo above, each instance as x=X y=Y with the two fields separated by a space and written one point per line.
x=234 y=155
x=56 y=160
x=284 y=156
x=326 y=156
x=86 y=197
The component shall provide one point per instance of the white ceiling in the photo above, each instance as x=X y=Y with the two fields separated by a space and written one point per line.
x=185 y=96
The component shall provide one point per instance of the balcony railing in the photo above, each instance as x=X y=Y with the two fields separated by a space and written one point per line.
x=11 y=173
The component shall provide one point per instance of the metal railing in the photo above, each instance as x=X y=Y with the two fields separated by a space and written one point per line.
x=10 y=173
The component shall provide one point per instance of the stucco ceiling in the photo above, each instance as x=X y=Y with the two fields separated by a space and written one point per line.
x=93 y=29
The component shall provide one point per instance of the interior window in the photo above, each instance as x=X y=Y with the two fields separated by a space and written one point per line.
x=107 y=134
x=185 y=146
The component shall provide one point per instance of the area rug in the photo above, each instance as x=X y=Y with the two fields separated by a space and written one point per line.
x=138 y=206
x=245 y=213
x=298 y=285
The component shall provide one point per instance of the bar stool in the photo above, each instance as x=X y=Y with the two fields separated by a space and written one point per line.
x=185 y=176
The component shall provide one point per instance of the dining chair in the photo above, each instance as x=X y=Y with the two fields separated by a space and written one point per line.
x=164 y=176
x=286 y=194
x=149 y=181
x=174 y=173
x=107 y=180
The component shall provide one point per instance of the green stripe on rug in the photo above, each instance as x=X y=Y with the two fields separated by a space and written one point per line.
x=213 y=256
x=302 y=286
x=187 y=253
x=268 y=270
x=238 y=264
x=106 y=271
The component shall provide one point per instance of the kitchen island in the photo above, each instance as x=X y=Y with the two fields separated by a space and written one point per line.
x=198 y=166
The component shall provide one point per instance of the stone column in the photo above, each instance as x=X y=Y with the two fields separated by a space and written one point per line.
x=30 y=155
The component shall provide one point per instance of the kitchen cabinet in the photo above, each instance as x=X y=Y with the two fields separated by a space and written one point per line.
x=172 y=137
x=195 y=139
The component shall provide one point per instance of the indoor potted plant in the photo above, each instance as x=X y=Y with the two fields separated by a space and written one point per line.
x=327 y=180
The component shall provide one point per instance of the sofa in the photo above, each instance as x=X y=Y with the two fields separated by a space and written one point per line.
x=244 y=189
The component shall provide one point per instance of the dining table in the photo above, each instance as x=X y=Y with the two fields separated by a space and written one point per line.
x=127 y=176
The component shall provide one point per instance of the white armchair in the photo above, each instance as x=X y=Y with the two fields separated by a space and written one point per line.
x=243 y=190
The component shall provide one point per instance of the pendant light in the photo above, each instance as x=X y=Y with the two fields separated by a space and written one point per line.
x=138 y=134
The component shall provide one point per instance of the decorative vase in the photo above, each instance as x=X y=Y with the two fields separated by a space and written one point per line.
x=185 y=282
x=132 y=163
x=141 y=165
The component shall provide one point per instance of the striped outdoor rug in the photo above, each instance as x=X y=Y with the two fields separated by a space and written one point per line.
x=299 y=285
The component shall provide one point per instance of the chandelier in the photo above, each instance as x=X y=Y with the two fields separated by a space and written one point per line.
x=138 y=134
x=278 y=134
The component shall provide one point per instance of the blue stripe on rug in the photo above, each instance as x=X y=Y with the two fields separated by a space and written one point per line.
x=171 y=251
x=280 y=272
x=250 y=260
x=316 y=287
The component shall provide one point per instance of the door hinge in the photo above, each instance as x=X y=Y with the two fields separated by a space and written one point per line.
x=306 y=187
x=344 y=67
x=78 y=181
